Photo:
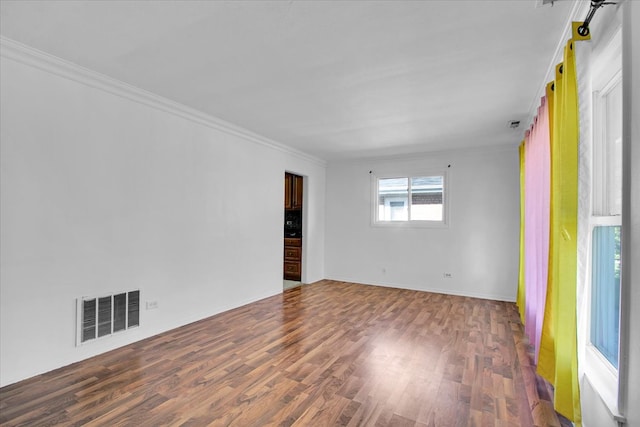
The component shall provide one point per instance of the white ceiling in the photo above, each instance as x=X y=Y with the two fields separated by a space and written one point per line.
x=333 y=79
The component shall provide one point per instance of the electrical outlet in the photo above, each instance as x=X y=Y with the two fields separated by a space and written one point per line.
x=151 y=305
x=448 y=275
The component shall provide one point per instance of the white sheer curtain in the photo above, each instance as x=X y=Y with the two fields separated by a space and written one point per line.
x=585 y=103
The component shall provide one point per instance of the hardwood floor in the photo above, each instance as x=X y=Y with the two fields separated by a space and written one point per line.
x=326 y=354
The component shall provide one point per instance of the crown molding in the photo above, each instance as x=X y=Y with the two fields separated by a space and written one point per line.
x=431 y=154
x=27 y=55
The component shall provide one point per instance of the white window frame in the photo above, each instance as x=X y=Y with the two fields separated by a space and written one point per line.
x=601 y=373
x=607 y=72
x=446 y=197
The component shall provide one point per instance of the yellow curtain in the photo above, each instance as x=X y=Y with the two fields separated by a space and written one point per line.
x=558 y=361
x=520 y=300
x=546 y=358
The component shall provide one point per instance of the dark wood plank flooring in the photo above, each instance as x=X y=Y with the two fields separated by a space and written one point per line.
x=326 y=354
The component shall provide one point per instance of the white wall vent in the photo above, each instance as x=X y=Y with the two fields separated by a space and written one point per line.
x=105 y=315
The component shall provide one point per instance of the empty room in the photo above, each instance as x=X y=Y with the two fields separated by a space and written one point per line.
x=319 y=213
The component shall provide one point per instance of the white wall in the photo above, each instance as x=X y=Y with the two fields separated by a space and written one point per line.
x=631 y=210
x=102 y=193
x=480 y=246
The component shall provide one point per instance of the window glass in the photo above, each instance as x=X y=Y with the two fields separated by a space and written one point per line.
x=426 y=198
x=393 y=199
x=607 y=163
x=605 y=291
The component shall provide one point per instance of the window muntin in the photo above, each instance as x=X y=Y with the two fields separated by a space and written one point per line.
x=415 y=200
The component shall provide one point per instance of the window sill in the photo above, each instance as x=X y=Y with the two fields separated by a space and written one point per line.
x=410 y=224
x=604 y=380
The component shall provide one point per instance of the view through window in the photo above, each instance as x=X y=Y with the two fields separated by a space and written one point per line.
x=411 y=199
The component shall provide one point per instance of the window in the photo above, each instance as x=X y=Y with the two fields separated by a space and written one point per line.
x=417 y=200
x=606 y=221
x=601 y=357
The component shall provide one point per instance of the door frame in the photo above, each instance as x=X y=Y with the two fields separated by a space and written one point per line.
x=305 y=217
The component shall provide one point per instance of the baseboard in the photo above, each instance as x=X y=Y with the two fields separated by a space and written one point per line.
x=480 y=295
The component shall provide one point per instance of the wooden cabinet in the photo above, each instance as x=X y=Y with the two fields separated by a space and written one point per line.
x=288 y=183
x=293 y=241
x=292 y=191
x=292 y=270
x=292 y=258
x=292 y=253
x=296 y=193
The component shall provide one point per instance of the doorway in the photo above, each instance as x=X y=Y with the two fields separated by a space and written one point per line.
x=293 y=226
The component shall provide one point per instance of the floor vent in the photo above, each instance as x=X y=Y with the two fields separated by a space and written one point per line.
x=102 y=316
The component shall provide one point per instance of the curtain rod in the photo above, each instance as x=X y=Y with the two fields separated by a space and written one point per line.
x=583 y=29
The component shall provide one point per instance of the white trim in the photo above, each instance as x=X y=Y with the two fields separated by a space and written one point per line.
x=598 y=383
x=607 y=68
x=604 y=221
x=630 y=245
x=27 y=55
x=429 y=155
x=603 y=375
x=447 y=291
